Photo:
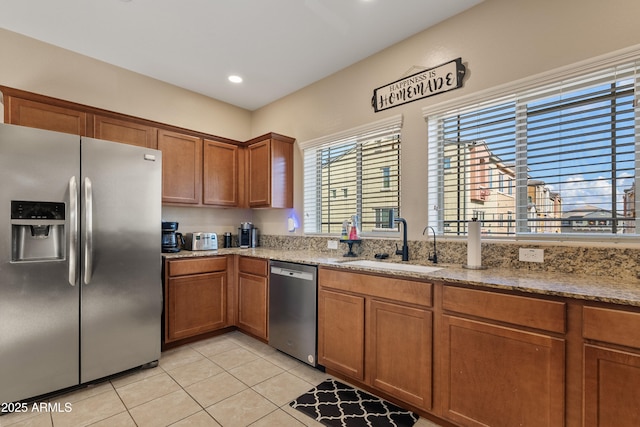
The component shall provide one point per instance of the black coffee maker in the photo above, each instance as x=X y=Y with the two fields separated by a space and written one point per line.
x=171 y=239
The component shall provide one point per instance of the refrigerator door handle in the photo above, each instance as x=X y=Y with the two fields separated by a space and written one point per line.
x=88 y=230
x=73 y=232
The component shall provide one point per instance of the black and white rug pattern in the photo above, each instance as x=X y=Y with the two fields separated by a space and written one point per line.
x=335 y=404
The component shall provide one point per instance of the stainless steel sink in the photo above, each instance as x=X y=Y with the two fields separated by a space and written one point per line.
x=381 y=265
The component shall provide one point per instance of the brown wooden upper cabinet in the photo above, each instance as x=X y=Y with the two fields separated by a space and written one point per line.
x=270 y=171
x=41 y=115
x=220 y=186
x=197 y=169
x=181 y=167
x=124 y=131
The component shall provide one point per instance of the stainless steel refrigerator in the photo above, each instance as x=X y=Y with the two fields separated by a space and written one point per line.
x=80 y=260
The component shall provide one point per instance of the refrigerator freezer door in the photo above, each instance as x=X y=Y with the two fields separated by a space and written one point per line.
x=121 y=301
x=38 y=306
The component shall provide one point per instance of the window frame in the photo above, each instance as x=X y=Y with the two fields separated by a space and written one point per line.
x=510 y=92
x=312 y=187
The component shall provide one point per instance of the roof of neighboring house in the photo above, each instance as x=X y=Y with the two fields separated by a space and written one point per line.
x=587 y=211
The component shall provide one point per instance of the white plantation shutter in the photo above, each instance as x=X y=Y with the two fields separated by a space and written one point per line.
x=356 y=172
x=558 y=159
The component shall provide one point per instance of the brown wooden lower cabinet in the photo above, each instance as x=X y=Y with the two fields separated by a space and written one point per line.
x=197 y=304
x=399 y=351
x=378 y=331
x=195 y=297
x=341 y=333
x=611 y=387
x=468 y=356
x=500 y=376
x=502 y=359
x=611 y=367
x=253 y=296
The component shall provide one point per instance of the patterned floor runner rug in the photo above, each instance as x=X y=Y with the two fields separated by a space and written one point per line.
x=335 y=404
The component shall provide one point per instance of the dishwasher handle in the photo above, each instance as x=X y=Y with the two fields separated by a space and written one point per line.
x=303 y=275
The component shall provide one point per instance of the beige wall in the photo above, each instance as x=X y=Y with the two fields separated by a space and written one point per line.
x=38 y=67
x=500 y=41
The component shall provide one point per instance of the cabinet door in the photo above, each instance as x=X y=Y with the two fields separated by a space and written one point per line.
x=281 y=169
x=125 y=132
x=498 y=376
x=220 y=174
x=399 y=351
x=341 y=333
x=196 y=304
x=612 y=387
x=252 y=304
x=259 y=174
x=181 y=167
x=44 y=116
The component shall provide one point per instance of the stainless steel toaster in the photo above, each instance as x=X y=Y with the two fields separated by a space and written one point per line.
x=201 y=241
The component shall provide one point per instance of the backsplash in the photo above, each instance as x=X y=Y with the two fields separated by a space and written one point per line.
x=618 y=263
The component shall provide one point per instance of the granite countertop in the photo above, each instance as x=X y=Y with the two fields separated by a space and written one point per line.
x=584 y=287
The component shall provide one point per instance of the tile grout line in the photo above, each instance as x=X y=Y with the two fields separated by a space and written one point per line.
x=258 y=349
x=251 y=387
x=225 y=370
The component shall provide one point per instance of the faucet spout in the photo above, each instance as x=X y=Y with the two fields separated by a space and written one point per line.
x=433 y=258
x=405 y=248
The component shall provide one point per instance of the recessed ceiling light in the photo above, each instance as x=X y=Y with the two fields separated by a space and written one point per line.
x=235 y=79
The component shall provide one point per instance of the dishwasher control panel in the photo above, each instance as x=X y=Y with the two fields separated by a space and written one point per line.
x=296 y=274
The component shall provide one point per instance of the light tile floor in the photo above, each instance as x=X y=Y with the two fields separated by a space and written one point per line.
x=230 y=380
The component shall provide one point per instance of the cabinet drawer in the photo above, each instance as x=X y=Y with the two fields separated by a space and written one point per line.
x=402 y=290
x=197 y=265
x=518 y=310
x=612 y=326
x=257 y=266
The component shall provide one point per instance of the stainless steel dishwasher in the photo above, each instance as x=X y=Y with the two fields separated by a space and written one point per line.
x=293 y=302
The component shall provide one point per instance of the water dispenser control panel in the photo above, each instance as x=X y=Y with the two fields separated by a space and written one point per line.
x=36 y=210
x=37 y=231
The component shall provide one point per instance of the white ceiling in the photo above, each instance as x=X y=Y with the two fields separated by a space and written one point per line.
x=277 y=46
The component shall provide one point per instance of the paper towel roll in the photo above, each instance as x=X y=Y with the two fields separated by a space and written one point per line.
x=474 y=251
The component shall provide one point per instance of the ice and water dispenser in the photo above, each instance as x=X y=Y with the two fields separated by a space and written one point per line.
x=37 y=231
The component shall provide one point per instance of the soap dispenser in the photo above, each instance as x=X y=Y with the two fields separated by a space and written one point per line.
x=354 y=234
x=344 y=235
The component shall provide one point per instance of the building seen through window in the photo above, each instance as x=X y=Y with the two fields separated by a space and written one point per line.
x=354 y=175
x=559 y=159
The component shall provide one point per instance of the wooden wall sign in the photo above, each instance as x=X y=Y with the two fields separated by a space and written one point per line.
x=429 y=82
